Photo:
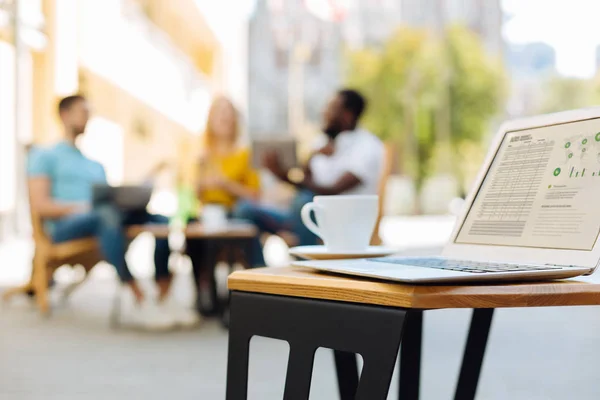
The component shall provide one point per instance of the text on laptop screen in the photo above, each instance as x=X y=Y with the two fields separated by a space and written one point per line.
x=542 y=190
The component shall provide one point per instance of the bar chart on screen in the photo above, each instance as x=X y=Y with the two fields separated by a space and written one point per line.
x=577 y=172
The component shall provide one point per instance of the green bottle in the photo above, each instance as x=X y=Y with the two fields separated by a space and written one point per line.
x=187 y=206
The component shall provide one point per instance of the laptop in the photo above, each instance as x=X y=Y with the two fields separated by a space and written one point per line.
x=285 y=147
x=533 y=213
x=126 y=197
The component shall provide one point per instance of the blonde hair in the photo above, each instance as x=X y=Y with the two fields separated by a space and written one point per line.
x=209 y=136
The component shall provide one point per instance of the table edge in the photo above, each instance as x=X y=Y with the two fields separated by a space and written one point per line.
x=571 y=293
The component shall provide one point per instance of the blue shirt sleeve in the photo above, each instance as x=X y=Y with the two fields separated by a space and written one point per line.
x=39 y=163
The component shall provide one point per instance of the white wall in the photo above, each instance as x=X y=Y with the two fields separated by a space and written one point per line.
x=136 y=56
x=103 y=141
x=229 y=19
x=8 y=171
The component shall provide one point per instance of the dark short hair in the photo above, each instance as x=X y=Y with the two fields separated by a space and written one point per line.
x=353 y=102
x=66 y=103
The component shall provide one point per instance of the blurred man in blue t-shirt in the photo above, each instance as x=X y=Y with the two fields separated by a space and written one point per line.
x=60 y=184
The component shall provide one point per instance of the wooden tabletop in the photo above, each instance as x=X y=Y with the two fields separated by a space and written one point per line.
x=300 y=282
x=233 y=230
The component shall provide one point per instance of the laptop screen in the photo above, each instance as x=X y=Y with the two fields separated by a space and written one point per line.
x=542 y=190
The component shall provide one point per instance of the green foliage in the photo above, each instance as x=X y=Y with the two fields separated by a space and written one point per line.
x=477 y=93
x=399 y=80
x=477 y=85
x=564 y=93
x=427 y=92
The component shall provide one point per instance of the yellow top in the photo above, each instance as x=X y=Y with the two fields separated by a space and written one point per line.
x=237 y=167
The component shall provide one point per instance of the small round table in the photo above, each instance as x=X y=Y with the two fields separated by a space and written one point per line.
x=231 y=236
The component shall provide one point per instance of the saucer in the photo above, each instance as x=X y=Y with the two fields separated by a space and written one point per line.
x=321 y=253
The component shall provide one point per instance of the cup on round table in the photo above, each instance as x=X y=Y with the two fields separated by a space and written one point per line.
x=345 y=223
x=214 y=217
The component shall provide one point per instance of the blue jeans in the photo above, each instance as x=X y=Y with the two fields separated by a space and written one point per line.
x=270 y=220
x=108 y=224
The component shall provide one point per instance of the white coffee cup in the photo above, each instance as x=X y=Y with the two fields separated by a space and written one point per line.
x=344 y=223
x=214 y=216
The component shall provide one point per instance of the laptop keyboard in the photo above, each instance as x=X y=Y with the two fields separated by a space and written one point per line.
x=463 y=265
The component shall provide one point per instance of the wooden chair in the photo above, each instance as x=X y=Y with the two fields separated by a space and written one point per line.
x=388 y=164
x=49 y=256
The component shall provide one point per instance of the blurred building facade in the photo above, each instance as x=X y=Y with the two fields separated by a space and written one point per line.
x=485 y=18
x=293 y=69
x=276 y=33
x=147 y=66
x=530 y=59
x=529 y=64
x=370 y=22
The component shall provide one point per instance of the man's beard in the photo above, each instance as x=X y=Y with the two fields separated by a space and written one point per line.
x=79 y=130
x=332 y=131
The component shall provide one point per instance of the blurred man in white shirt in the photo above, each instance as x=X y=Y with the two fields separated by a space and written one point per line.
x=348 y=162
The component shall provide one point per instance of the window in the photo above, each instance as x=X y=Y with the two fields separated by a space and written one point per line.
x=103 y=141
x=8 y=169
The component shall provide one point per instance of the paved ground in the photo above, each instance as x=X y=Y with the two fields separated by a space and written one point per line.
x=534 y=354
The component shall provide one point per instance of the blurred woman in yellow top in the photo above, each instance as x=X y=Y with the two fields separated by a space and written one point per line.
x=225 y=173
x=223 y=176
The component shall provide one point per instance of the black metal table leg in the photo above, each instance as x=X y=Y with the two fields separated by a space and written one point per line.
x=218 y=245
x=299 y=373
x=249 y=252
x=307 y=324
x=246 y=246
x=410 y=363
x=192 y=250
x=346 y=367
x=410 y=357
x=238 y=358
x=474 y=352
